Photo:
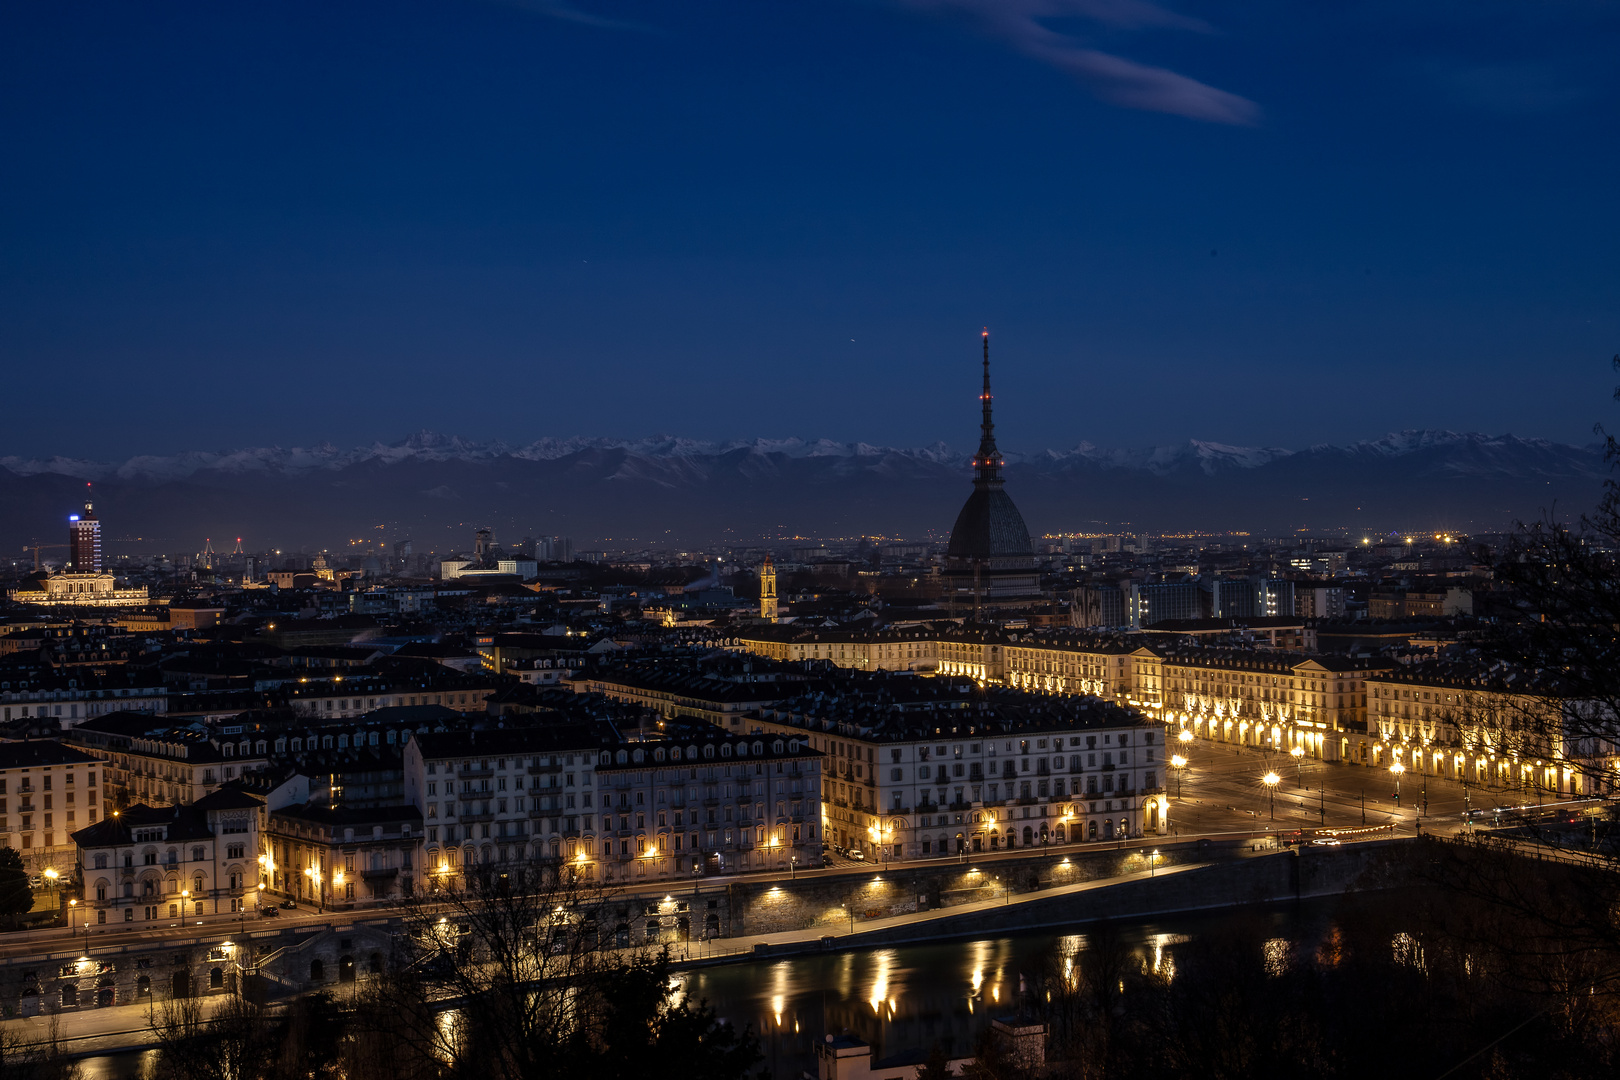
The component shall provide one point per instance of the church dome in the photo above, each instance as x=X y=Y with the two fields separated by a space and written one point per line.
x=989 y=527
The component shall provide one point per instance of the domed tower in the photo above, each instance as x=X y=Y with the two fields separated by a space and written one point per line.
x=989 y=562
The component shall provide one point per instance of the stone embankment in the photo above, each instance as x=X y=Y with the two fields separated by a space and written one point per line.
x=100 y=993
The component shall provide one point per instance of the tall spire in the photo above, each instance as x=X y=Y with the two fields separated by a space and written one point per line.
x=988 y=460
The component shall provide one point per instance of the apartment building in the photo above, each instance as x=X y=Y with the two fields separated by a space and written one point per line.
x=166 y=864
x=692 y=799
x=340 y=856
x=47 y=790
x=925 y=768
x=1271 y=699
x=150 y=762
x=1444 y=718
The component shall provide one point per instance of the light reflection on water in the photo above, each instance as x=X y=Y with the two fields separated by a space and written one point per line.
x=901 y=998
x=136 y=1066
x=914 y=996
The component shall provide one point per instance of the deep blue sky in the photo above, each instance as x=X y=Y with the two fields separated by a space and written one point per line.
x=1263 y=223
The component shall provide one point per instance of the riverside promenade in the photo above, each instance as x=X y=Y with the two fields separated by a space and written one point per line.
x=1266 y=877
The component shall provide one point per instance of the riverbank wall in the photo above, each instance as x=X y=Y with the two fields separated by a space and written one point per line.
x=888 y=905
x=818 y=903
x=1276 y=877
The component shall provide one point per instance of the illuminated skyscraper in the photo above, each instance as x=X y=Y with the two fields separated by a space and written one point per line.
x=84 y=539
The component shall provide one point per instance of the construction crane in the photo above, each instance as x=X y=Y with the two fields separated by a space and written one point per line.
x=37 y=548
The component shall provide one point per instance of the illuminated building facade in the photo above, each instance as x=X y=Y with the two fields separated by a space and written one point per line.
x=918 y=769
x=79 y=590
x=693 y=801
x=151 y=864
x=1452 y=720
x=47 y=790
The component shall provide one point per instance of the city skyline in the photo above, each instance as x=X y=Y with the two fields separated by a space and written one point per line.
x=1006 y=539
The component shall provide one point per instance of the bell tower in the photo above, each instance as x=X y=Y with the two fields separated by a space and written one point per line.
x=767 y=590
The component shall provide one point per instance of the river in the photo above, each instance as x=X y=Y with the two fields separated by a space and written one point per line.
x=902 y=998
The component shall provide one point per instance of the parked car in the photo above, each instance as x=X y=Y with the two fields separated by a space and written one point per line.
x=289 y=905
x=35 y=882
x=857 y=854
x=269 y=913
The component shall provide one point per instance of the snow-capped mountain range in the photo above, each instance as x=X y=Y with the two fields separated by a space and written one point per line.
x=1504 y=451
x=689 y=490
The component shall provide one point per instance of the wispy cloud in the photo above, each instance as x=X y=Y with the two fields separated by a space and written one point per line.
x=1115 y=79
x=556 y=9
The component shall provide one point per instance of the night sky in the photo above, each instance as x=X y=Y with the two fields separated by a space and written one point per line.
x=1276 y=223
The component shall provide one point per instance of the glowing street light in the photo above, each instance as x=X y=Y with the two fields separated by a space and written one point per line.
x=317 y=885
x=1298 y=754
x=1270 y=780
x=1397 y=768
x=1186 y=736
x=1178 y=762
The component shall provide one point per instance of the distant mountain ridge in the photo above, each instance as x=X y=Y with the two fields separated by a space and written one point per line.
x=433 y=446
x=689 y=490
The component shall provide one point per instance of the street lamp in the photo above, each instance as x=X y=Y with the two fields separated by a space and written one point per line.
x=317 y=885
x=1186 y=736
x=1270 y=780
x=1178 y=763
x=1298 y=754
x=73 y=906
x=1397 y=769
